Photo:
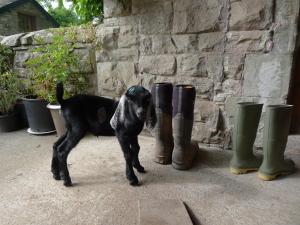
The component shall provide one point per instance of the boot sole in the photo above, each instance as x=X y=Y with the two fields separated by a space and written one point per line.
x=162 y=160
x=181 y=166
x=238 y=171
x=267 y=177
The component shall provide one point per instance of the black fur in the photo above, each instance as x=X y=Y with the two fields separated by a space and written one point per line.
x=87 y=113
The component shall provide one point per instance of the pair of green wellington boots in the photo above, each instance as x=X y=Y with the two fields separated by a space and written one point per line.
x=275 y=135
x=174 y=108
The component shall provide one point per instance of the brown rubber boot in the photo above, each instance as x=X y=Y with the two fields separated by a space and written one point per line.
x=183 y=117
x=162 y=99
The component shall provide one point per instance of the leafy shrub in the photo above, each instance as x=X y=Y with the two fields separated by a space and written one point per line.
x=56 y=62
x=6 y=58
x=8 y=91
x=8 y=81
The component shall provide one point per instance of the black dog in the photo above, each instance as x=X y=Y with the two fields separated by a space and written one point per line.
x=103 y=116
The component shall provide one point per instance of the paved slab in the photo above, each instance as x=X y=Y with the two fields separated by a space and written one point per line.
x=101 y=194
x=163 y=212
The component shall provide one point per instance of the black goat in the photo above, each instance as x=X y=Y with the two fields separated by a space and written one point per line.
x=103 y=116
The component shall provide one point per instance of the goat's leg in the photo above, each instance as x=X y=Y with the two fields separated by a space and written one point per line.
x=125 y=145
x=64 y=149
x=55 y=163
x=135 y=147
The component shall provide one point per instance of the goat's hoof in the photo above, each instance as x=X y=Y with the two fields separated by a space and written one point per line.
x=140 y=169
x=134 y=183
x=56 y=176
x=67 y=183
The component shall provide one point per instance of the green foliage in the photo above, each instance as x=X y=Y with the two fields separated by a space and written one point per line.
x=8 y=81
x=6 y=56
x=9 y=87
x=56 y=62
x=88 y=9
x=65 y=17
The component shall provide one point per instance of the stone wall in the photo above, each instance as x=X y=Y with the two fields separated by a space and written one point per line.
x=231 y=50
x=85 y=50
x=9 y=22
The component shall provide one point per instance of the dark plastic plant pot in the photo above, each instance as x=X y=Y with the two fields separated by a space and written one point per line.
x=58 y=119
x=38 y=116
x=10 y=122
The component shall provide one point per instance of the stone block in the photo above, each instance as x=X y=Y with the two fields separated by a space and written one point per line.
x=285 y=37
x=13 y=40
x=195 y=16
x=114 y=78
x=21 y=58
x=119 y=21
x=287 y=11
x=246 y=41
x=121 y=54
x=115 y=8
x=211 y=42
x=204 y=110
x=145 y=45
x=85 y=61
x=191 y=65
x=155 y=17
x=127 y=41
x=233 y=65
x=107 y=37
x=251 y=15
x=185 y=43
x=214 y=66
x=156 y=44
x=232 y=87
x=158 y=65
x=267 y=76
x=124 y=54
x=37 y=37
x=162 y=44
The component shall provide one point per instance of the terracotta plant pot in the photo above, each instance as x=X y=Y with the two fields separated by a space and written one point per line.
x=38 y=115
x=58 y=119
x=10 y=122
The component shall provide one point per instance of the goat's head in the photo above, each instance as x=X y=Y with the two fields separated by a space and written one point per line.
x=140 y=101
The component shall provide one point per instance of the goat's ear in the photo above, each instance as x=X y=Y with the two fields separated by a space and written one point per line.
x=119 y=115
x=151 y=116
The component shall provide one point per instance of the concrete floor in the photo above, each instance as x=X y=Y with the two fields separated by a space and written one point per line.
x=101 y=194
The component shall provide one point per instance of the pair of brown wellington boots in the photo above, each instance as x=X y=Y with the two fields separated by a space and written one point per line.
x=175 y=115
x=275 y=135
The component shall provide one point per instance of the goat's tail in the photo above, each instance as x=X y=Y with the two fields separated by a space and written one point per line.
x=59 y=92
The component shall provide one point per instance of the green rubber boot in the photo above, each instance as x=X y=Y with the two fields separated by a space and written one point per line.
x=244 y=133
x=276 y=130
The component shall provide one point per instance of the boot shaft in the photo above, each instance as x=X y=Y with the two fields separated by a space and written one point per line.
x=184 y=100
x=276 y=130
x=245 y=127
x=183 y=113
x=162 y=100
x=162 y=97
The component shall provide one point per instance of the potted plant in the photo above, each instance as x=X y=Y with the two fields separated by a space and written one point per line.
x=9 y=116
x=10 y=119
x=53 y=63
